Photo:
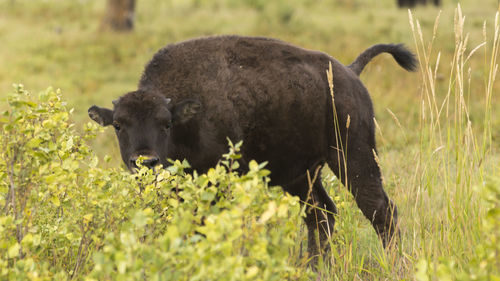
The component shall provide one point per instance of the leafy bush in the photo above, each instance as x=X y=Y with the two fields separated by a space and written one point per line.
x=64 y=217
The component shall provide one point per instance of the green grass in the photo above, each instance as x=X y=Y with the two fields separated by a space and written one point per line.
x=434 y=163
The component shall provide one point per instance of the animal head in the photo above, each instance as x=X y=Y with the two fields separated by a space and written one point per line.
x=143 y=124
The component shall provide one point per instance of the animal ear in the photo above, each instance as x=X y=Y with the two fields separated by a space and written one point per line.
x=102 y=116
x=185 y=110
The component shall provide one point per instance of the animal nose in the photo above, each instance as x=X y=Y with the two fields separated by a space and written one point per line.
x=149 y=162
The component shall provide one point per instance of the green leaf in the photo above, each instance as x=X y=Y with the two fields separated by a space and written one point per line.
x=253 y=166
x=34 y=142
x=27 y=239
x=140 y=219
x=208 y=195
x=421 y=274
x=55 y=201
x=88 y=218
x=13 y=251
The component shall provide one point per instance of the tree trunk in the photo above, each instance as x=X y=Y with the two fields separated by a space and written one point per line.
x=119 y=15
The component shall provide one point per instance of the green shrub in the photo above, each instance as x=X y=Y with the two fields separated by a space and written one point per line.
x=64 y=217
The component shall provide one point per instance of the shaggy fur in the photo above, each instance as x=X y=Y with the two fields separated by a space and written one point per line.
x=275 y=97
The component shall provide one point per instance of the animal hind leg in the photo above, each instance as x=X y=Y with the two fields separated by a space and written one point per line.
x=320 y=212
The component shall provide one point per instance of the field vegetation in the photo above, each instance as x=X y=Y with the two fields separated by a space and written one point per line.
x=68 y=211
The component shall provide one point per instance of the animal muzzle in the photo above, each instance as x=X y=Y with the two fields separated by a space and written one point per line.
x=149 y=161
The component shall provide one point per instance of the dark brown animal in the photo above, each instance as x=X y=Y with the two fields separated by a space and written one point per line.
x=276 y=98
x=414 y=3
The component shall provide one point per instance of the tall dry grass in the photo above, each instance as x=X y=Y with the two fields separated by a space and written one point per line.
x=441 y=205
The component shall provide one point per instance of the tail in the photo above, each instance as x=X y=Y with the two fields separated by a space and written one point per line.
x=401 y=54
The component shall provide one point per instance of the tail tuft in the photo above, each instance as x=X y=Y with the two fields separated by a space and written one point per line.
x=405 y=58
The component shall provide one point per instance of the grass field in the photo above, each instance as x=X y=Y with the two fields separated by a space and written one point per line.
x=438 y=130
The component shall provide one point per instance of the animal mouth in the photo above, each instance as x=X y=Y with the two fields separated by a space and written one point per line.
x=148 y=161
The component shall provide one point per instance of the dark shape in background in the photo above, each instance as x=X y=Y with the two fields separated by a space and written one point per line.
x=413 y=3
x=119 y=15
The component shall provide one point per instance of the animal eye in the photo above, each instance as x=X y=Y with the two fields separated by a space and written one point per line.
x=116 y=126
